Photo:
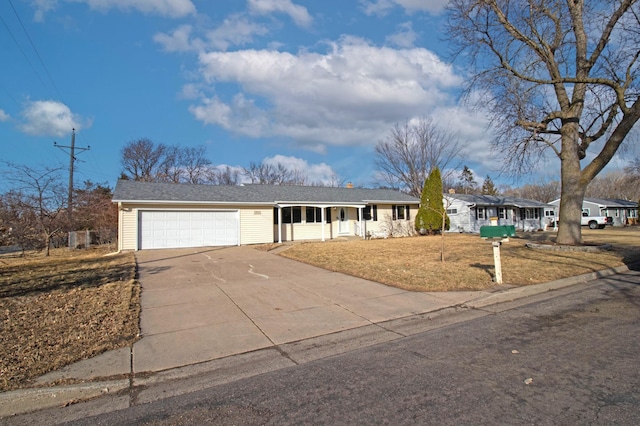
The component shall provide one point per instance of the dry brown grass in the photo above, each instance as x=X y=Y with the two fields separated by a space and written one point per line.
x=414 y=263
x=57 y=310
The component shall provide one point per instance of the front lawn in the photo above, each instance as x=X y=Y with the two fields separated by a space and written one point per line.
x=64 y=308
x=414 y=263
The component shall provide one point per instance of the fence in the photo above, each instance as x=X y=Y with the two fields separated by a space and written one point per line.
x=87 y=239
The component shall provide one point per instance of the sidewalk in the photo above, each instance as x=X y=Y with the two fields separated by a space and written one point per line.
x=225 y=345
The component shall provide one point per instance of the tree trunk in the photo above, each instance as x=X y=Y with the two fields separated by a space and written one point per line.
x=444 y=215
x=47 y=241
x=571 y=193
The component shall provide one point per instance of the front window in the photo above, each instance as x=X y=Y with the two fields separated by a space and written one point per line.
x=481 y=212
x=400 y=212
x=369 y=213
x=452 y=211
x=313 y=214
x=292 y=214
x=501 y=212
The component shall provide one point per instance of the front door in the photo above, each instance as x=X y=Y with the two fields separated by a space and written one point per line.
x=343 y=221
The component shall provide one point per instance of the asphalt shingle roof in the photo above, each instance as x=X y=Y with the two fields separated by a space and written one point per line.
x=612 y=202
x=497 y=200
x=132 y=191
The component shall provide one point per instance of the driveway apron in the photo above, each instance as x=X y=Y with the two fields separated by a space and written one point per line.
x=207 y=303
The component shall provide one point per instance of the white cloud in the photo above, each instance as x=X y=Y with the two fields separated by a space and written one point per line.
x=236 y=30
x=4 y=116
x=382 y=7
x=404 y=37
x=349 y=95
x=169 y=8
x=471 y=127
x=315 y=173
x=377 y=7
x=298 y=13
x=179 y=40
x=50 y=118
x=190 y=91
x=42 y=7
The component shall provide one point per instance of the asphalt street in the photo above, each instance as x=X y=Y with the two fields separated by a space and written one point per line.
x=569 y=359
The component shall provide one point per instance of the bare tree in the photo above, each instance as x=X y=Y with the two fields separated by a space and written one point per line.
x=412 y=150
x=279 y=174
x=169 y=169
x=541 y=191
x=223 y=175
x=560 y=75
x=634 y=167
x=615 y=185
x=95 y=211
x=334 y=181
x=142 y=160
x=193 y=164
x=37 y=203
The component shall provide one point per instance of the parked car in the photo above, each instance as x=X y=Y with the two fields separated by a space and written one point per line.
x=595 y=222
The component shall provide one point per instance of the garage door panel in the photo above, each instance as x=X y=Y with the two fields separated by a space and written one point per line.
x=181 y=229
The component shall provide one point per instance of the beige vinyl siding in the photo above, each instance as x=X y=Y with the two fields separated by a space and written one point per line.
x=256 y=225
x=306 y=231
x=128 y=232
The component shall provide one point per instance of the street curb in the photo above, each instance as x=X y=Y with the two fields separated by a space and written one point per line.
x=27 y=400
x=512 y=294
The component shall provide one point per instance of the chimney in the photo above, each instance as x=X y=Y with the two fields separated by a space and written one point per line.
x=452 y=191
x=349 y=185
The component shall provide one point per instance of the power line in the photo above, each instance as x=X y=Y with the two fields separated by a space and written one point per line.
x=36 y=50
x=23 y=52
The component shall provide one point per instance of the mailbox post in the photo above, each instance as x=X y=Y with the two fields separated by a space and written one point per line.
x=494 y=233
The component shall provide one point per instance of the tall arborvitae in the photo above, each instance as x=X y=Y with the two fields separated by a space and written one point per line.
x=430 y=215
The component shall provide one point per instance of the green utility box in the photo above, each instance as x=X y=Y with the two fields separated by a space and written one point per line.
x=501 y=231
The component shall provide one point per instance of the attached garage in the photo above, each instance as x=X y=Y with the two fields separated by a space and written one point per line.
x=179 y=229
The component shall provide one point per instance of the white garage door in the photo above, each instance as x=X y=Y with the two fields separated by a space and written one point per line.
x=176 y=229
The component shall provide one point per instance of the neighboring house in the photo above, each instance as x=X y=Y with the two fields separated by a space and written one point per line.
x=467 y=212
x=622 y=212
x=165 y=215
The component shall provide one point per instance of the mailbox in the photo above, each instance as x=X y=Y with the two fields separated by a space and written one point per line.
x=501 y=231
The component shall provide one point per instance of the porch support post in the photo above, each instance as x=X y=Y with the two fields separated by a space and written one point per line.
x=323 y=222
x=279 y=224
x=360 y=210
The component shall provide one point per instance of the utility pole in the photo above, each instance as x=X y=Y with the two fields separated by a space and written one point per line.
x=72 y=158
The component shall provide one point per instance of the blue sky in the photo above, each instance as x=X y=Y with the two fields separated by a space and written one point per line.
x=311 y=84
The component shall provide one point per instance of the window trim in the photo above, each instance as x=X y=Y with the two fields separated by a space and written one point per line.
x=290 y=214
x=316 y=214
x=397 y=208
x=369 y=213
x=481 y=213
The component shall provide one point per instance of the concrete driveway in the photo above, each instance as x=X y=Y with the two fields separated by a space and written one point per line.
x=209 y=303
